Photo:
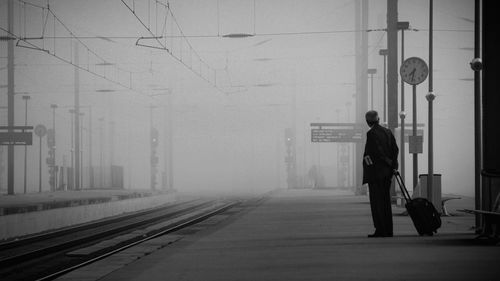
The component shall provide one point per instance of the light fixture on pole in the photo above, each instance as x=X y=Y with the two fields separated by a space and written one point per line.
x=384 y=53
x=238 y=35
x=371 y=71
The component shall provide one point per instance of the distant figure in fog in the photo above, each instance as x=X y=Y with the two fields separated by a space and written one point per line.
x=379 y=161
x=315 y=177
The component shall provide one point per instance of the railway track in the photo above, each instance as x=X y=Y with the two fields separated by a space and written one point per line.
x=47 y=256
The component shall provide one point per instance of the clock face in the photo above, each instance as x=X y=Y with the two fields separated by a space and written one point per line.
x=414 y=71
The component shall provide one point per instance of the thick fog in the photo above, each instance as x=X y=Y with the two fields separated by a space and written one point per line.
x=226 y=116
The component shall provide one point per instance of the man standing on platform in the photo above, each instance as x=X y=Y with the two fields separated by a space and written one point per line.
x=379 y=161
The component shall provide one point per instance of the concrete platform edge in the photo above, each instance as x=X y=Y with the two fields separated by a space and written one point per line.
x=34 y=222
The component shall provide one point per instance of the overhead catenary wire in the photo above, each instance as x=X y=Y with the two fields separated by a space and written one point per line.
x=161 y=46
x=292 y=33
x=46 y=11
x=35 y=47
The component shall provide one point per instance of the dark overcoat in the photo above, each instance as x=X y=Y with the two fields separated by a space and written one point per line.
x=382 y=150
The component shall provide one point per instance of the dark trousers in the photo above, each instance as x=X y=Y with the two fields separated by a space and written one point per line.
x=380 y=203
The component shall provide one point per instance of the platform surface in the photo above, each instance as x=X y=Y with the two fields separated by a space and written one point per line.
x=30 y=202
x=313 y=235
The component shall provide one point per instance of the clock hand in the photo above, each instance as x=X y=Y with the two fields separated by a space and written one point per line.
x=412 y=74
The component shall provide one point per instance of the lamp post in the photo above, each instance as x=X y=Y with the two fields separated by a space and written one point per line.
x=54 y=165
x=101 y=155
x=10 y=96
x=25 y=98
x=168 y=180
x=384 y=52
x=371 y=71
x=430 y=98
x=153 y=144
x=111 y=122
x=477 y=109
x=169 y=170
x=91 y=169
x=75 y=149
x=350 y=151
x=72 y=150
x=80 y=152
x=339 y=162
x=402 y=25
x=40 y=131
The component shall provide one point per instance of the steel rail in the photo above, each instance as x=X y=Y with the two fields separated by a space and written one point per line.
x=163 y=232
x=23 y=257
x=85 y=226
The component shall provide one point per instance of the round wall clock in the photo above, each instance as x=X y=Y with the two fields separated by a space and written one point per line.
x=414 y=71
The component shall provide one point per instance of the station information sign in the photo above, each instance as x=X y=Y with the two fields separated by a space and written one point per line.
x=336 y=135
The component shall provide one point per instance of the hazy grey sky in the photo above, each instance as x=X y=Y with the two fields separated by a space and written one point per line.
x=234 y=140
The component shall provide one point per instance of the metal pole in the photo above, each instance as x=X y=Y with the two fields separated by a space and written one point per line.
x=152 y=174
x=54 y=166
x=361 y=102
x=112 y=130
x=91 y=169
x=81 y=153
x=415 y=155
x=477 y=112
x=71 y=111
x=430 y=98
x=402 y=116
x=77 y=121
x=10 y=96
x=371 y=95
x=339 y=168
x=25 y=98
x=40 y=168
x=385 y=88
x=392 y=65
x=101 y=156
x=112 y=141
x=170 y=142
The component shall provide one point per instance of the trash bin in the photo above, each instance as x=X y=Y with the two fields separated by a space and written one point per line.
x=436 y=189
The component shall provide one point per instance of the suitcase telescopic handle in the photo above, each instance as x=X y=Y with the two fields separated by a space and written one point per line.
x=402 y=186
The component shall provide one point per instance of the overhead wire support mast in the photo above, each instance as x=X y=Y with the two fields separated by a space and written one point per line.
x=163 y=46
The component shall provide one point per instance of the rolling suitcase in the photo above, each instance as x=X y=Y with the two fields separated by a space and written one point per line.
x=424 y=215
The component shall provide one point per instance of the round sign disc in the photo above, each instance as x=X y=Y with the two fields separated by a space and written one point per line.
x=40 y=130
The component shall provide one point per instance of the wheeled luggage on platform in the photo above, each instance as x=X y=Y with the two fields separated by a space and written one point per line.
x=424 y=215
